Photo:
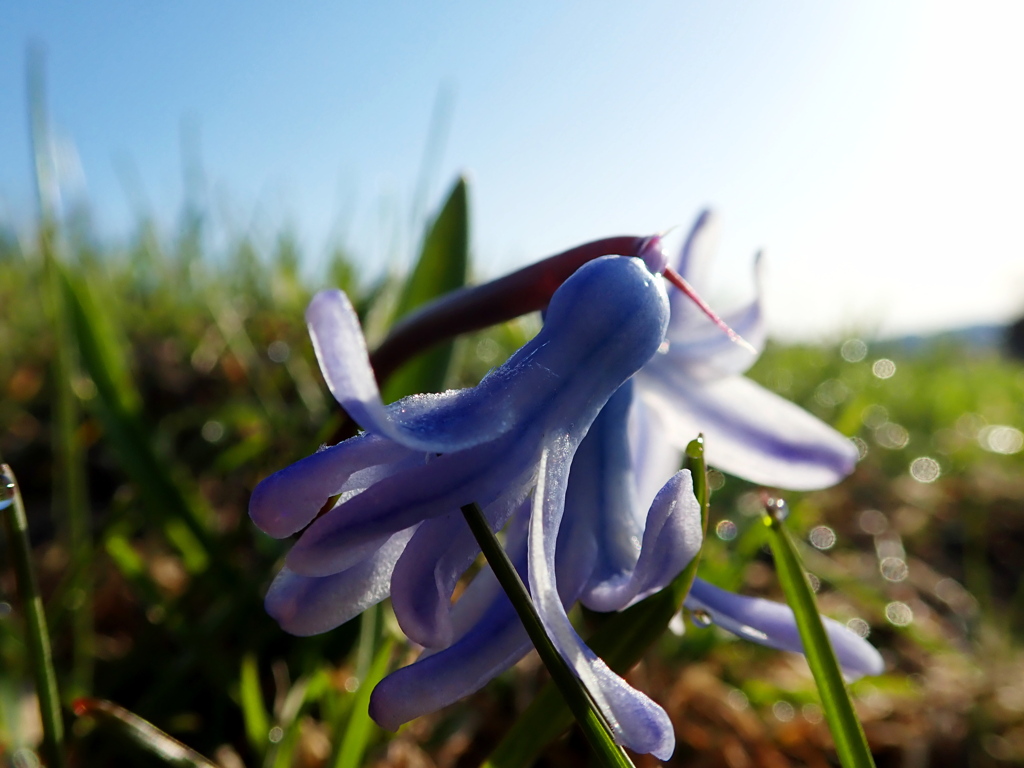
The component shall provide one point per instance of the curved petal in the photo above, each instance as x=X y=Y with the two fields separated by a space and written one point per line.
x=305 y=605
x=636 y=721
x=773 y=624
x=286 y=501
x=354 y=529
x=672 y=537
x=749 y=431
x=425 y=576
x=490 y=640
x=413 y=422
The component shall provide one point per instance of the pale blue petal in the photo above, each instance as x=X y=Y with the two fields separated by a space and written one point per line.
x=749 y=431
x=354 y=529
x=305 y=605
x=431 y=423
x=672 y=537
x=490 y=639
x=773 y=624
x=438 y=555
x=636 y=721
x=600 y=502
x=286 y=501
x=655 y=457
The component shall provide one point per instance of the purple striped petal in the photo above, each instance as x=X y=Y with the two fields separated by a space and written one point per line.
x=773 y=624
x=749 y=431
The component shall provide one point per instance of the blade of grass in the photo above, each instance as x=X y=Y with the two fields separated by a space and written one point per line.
x=257 y=724
x=70 y=499
x=349 y=754
x=589 y=717
x=142 y=732
x=621 y=641
x=16 y=525
x=851 y=745
x=183 y=517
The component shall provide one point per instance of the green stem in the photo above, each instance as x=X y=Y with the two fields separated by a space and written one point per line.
x=16 y=524
x=851 y=744
x=593 y=724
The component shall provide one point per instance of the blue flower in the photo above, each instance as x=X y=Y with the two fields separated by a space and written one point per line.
x=694 y=385
x=508 y=445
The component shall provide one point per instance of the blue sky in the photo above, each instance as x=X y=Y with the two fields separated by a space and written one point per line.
x=873 y=149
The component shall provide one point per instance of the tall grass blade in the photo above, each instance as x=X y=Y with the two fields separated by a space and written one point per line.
x=257 y=724
x=70 y=499
x=851 y=745
x=115 y=405
x=349 y=753
x=38 y=640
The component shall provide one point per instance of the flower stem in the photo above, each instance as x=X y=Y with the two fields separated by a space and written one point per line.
x=595 y=728
x=16 y=525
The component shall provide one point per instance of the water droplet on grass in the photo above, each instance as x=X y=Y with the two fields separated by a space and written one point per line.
x=701 y=618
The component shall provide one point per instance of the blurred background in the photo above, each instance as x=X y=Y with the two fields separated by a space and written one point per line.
x=872 y=148
x=176 y=181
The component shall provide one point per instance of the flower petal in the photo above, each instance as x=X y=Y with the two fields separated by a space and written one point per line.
x=636 y=721
x=672 y=537
x=773 y=624
x=305 y=605
x=437 y=423
x=655 y=457
x=287 y=500
x=749 y=431
x=426 y=574
x=490 y=640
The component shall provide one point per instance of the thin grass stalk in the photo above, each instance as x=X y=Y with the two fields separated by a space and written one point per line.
x=38 y=637
x=70 y=498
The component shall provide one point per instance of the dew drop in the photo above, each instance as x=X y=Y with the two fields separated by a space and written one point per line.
x=7 y=490
x=776 y=509
x=701 y=618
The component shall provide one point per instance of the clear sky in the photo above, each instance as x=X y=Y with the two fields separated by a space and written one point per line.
x=872 y=149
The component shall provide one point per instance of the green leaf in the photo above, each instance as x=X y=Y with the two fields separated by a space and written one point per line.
x=851 y=745
x=621 y=641
x=115 y=403
x=442 y=267
x=257 y=724
x=360 y=727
